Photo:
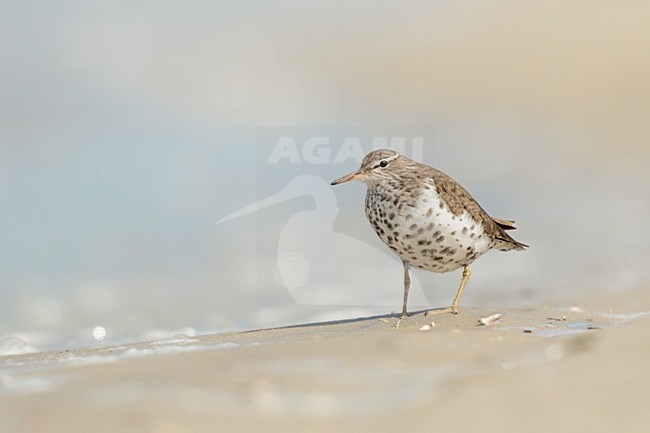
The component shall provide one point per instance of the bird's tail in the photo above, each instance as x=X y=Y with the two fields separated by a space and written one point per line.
x=505 y=242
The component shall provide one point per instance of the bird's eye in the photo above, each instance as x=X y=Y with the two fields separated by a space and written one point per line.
x=383 y=164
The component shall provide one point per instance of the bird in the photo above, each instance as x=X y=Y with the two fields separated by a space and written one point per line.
x=427 y=218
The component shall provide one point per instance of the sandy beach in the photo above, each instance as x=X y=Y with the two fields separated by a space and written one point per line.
x=572 y=367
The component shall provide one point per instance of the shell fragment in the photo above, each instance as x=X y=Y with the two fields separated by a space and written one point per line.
x=487 y=321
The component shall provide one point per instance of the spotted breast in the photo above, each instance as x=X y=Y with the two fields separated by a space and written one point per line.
x=422 y=230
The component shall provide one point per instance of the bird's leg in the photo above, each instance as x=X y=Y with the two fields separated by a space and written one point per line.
x=407 y=285
x=467 y=272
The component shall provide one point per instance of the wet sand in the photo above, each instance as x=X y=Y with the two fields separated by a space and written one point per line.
x=573 y=367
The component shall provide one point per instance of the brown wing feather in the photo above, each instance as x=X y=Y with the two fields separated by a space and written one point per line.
x=459 y=200
x=505 y=224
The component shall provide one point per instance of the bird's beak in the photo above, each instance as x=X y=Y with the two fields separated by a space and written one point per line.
x=352 y=176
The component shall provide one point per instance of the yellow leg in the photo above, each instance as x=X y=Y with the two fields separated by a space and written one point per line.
x=467 y=272
x=407 y=285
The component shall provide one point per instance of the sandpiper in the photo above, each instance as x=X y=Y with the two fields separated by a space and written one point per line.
x=427 y=218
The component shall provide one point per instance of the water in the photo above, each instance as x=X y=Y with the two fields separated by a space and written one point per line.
x=36 y=375
x=15 y=346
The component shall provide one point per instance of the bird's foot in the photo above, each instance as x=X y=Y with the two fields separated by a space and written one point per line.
x=404 y=315
x=450 y=310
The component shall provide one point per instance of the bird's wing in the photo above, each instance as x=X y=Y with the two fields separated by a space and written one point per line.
x=505 y=224
x=459 y=200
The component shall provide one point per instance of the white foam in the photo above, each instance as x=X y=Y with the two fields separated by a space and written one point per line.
x=626 y=318
x=15 y=346
x=176 y=339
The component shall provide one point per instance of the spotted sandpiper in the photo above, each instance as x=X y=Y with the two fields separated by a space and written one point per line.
x=427 y=218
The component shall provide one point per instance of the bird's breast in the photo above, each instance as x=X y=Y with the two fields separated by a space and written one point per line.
x=422 y=230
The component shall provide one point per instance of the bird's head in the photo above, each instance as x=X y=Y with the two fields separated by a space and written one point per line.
x=377 y=166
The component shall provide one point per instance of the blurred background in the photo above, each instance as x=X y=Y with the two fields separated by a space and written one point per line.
x=127 y=130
